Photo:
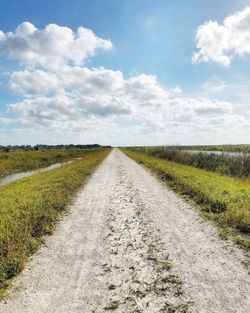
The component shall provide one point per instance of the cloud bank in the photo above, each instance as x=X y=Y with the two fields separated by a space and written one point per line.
x=63 y=100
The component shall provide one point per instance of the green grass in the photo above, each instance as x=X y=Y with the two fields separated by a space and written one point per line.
x=20 y=161
x=29 y=209
x=223 y=199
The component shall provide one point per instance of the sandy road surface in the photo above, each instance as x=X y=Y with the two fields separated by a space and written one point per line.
x=128 y=244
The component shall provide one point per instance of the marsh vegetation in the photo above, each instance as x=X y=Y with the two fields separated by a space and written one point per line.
x=240 y=148
x=22 y=160
x=225 y=163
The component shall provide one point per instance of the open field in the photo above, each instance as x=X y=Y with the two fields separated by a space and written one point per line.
x=130 y=244
x=225 y=200
x=20 y=161
x=30 y=207
x=235 y=166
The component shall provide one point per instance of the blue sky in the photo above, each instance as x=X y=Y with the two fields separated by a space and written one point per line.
x=148 y=38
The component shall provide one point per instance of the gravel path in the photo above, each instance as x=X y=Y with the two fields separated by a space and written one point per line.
x=129 y=244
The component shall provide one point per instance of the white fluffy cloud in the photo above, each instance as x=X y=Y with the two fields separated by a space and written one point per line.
x=78 y=94
x=222 y=42
x=67 y=108
x=52 y=46
x=34 y=83
x=76 y=80
x=93 y=90
x=64 y=101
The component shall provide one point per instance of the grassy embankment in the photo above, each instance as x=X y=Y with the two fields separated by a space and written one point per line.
x=235 y=166
x=223 y=199
x=29 y=209
x=21 y=161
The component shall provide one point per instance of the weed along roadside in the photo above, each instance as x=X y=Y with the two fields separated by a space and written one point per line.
x=234 y=164
x=223 y=199
x=29 y=209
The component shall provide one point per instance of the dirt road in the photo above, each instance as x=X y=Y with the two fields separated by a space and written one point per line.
x=128 y=244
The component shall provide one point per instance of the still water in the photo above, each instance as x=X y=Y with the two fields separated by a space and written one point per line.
x=232 y=154
x=9 y=179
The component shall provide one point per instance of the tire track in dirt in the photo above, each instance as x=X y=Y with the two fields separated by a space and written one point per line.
x=137 y=271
